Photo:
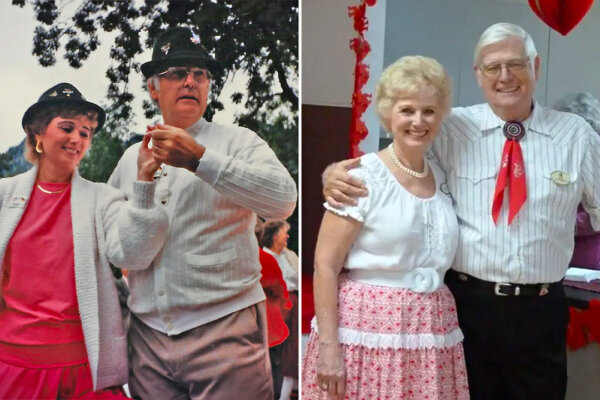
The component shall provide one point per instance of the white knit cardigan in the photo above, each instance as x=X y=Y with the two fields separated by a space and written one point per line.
x=106 y=229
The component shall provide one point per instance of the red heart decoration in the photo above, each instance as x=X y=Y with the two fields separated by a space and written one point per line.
x=561 y=15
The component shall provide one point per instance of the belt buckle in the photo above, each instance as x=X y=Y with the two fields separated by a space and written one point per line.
x=500 y=284
x=544 y=290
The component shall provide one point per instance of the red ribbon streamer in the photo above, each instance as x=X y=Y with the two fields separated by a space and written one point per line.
x=360 y=100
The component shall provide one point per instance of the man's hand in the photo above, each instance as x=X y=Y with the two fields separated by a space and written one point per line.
x=174 y=146
x=339 y=187
x=146 y=163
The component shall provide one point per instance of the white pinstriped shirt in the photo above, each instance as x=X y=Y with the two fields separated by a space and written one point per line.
x=208 y=267
x=538 y=245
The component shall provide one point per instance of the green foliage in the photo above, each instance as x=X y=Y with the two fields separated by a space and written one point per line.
x=5 y=160
x=282 y=136
x=12 y=162
x=258 y=36
x=102 y=157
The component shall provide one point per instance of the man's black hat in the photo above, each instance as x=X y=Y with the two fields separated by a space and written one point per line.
x=63 y=94
x=178 y=47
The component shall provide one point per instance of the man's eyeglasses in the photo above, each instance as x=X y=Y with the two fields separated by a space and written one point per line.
x=178 y=74
x=513 y=66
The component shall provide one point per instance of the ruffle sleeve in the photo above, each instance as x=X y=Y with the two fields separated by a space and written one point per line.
x=359 y=211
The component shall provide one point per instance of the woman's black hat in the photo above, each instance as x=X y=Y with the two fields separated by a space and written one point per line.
x=63 y=94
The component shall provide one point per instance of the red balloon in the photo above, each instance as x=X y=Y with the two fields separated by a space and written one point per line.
x=561 y=15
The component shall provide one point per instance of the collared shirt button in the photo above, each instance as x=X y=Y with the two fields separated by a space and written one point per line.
x=161 y=292
x=163 y=202
x=164 y=173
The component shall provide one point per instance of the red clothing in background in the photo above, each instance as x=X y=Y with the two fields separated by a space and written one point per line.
x=277 y=297
x=53 y=383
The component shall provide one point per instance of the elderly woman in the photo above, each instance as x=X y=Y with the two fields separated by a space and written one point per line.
x=61 y=332
x=274 y=242
x=388 y=328
x=587 y=241
x=278 y=303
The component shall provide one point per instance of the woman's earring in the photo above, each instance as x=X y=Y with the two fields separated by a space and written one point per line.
x=38 y=147
x=388 y=135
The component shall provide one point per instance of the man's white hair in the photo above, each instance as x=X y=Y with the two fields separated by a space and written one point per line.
x=502 y=31
x=154 y=81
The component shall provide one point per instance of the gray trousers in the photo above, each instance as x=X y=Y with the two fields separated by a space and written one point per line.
x=223 y=360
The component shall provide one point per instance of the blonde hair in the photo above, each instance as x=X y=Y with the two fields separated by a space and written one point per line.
x=409 y=75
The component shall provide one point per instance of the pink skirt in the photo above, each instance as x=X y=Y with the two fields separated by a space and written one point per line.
x=397 y=344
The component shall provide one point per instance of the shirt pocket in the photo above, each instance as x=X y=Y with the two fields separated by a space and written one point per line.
x=473 y=190
x=213 y=259
x=559 y=192
x=210 y=275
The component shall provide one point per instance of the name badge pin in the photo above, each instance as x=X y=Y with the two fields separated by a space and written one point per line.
x=17 y=202
x=560 y=178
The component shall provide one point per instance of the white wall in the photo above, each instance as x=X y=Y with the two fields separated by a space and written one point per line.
x=327 y=61
x=447 y=31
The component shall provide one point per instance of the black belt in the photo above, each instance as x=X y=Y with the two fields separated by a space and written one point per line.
x=504 y=288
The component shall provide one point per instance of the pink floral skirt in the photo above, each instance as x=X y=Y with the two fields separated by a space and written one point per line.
x=397 y=344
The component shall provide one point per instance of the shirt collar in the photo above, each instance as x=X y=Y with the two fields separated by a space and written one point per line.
x=534 y=123
x=267 y=250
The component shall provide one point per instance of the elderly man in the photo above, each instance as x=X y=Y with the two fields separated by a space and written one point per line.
x=516 y=171
x=198 y=329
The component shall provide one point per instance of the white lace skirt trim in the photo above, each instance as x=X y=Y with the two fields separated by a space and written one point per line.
x=411 y=341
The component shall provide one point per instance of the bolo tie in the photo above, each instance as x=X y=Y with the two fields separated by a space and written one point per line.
x=511 y=175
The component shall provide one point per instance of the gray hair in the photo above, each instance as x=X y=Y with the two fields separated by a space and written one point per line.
x=154 y=80
x=502 y=31
x=584 y=104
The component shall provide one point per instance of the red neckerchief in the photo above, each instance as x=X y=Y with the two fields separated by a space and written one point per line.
x=512 y=173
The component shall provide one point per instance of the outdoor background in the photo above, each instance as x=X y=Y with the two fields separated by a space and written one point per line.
x=99 y=45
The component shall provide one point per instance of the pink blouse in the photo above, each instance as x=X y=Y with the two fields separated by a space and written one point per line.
x=39 y=319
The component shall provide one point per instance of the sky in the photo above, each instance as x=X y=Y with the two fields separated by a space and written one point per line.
x=23 y=80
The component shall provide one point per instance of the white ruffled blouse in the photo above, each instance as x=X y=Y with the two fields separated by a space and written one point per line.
x=406 y=241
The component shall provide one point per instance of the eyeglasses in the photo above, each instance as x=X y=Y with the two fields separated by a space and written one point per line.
x=178 y=74
x=513 y=66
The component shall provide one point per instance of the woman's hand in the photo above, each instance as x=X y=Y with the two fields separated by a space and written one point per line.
x=341 y=188
x=331 y=370
x=146 y=163
x=336 y=235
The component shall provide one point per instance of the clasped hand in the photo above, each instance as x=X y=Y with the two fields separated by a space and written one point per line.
x=175 y=147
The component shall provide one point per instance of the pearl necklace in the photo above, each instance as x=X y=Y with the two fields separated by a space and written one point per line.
x=404 y=168
x=49 y=191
